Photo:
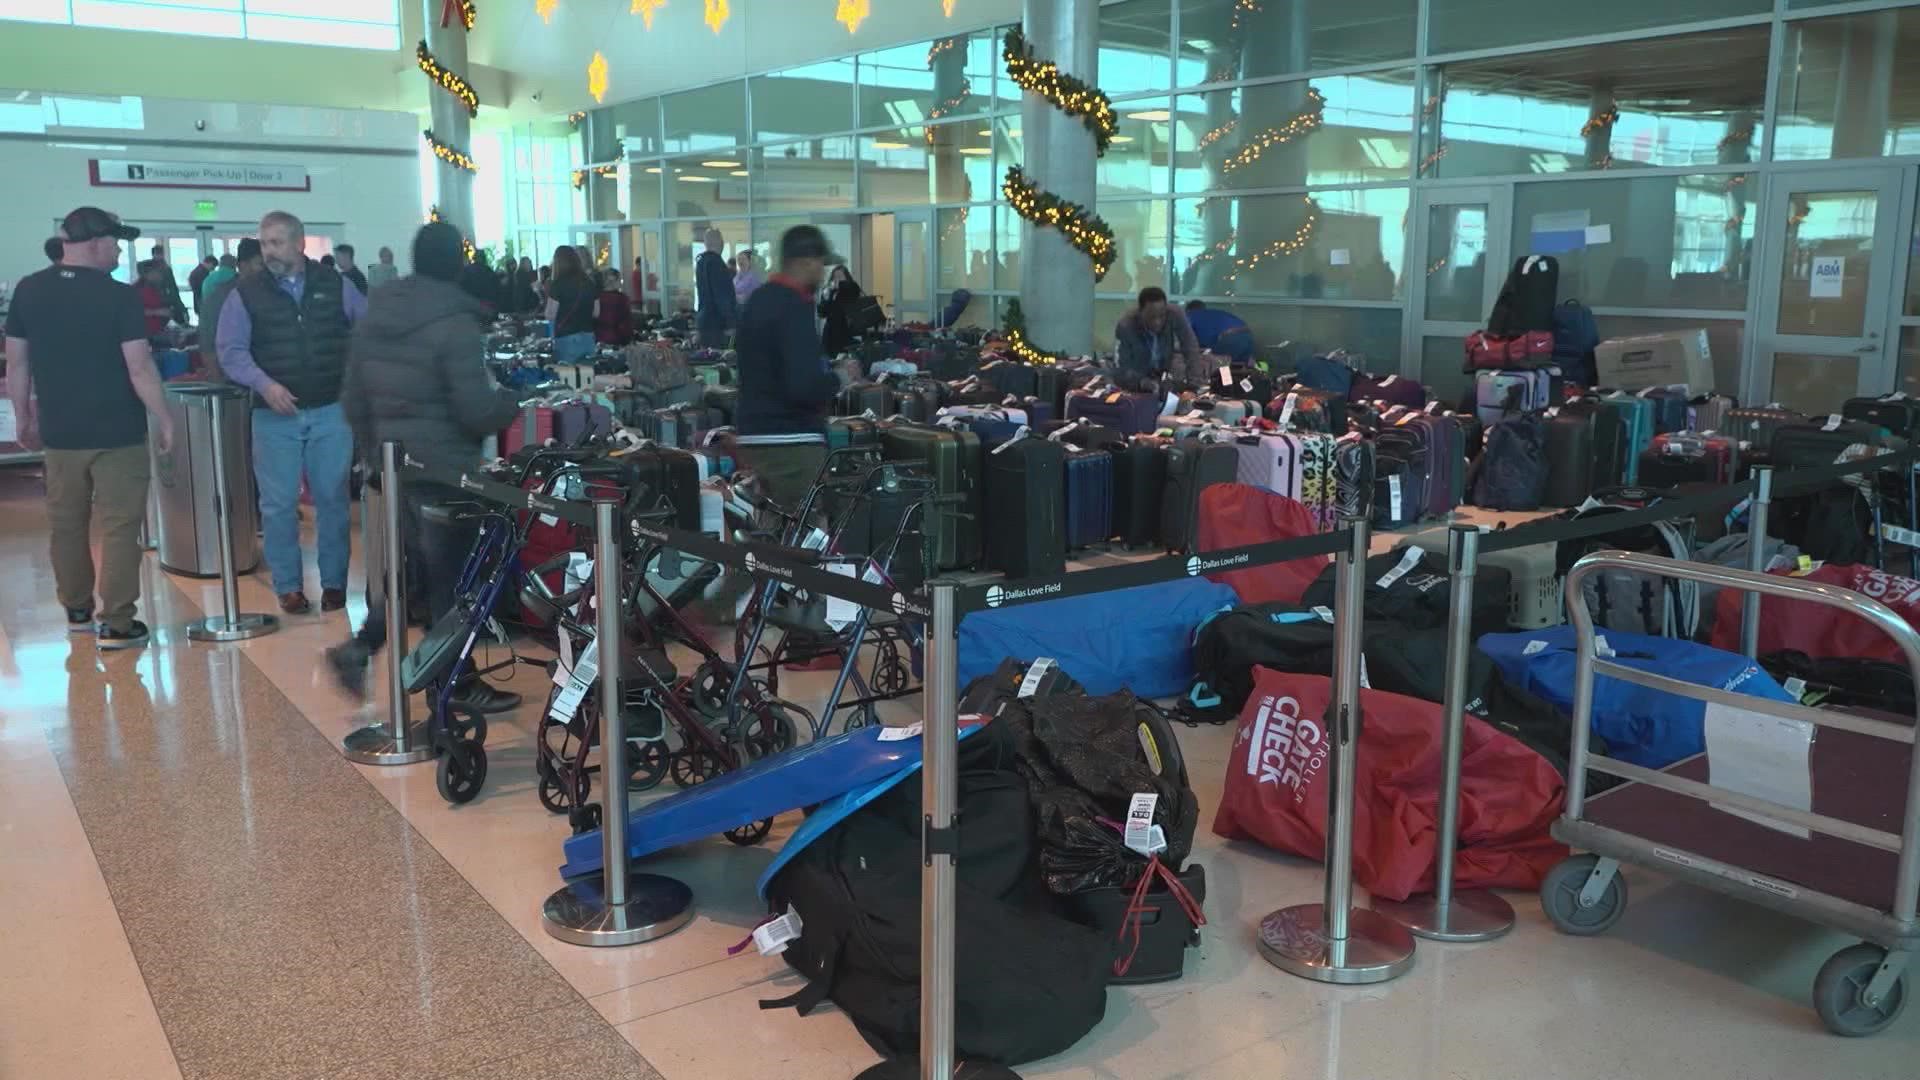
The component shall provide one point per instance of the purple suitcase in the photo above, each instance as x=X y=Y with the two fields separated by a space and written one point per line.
x=1389 y=390
x=1128 y=413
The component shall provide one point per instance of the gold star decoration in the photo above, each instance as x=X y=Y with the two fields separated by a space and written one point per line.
x=852 y=12
x=545 y=8
x=717 y=13
x=646 y=9
x=597 y=77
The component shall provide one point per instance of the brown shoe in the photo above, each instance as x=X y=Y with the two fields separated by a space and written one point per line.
x=295 y=603
x=333 y=599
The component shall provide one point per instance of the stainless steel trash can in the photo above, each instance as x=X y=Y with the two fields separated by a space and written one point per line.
x=183 y=481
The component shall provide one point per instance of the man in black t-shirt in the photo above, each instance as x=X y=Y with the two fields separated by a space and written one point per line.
x=82 y=381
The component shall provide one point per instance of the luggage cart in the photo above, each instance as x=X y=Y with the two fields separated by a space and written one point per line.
x=1858 y=871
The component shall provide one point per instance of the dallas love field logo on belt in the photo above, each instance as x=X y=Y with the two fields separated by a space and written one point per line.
x=997 y=595
x=756 y=565
x=1283 y=747
x=903 y=606
x=1197 y=565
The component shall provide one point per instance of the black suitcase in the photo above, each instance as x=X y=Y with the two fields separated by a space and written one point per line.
x=918 y=399
x=974 y=391
x=1607 y=440
x=1011 y=378
x=951 y=360
x=951 y=456
x=1024 y=498
x=866 y=397
x=1050 y=385
x=1192 y=466
x=1139 y=488
x=1801 y=446
x=1757 y=424
x=1898 y=413
x=1569 y=459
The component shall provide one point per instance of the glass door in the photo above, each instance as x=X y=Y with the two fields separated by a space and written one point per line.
x=913 y=269
x=1825 y=286
x=1459 y=237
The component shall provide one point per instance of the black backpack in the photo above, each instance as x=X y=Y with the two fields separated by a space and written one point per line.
x=1511 y=472
x=1411 y=588
x=1525 y=303
x=1028 y=983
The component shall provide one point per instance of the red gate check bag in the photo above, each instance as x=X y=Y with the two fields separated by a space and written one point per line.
x=1819 y=630
x=1277 y=784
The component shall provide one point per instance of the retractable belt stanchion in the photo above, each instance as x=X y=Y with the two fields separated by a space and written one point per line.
x=939 y=795
x=231 y=624
x=1474 y=914
x=1333 y=942
x=1756 y=558
x=615 y=906
x=401 y=741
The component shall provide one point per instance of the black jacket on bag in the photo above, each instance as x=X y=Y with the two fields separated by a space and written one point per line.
x=785 y=383
x=415 y=375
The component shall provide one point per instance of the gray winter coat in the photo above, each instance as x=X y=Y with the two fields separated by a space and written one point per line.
x=415 y=375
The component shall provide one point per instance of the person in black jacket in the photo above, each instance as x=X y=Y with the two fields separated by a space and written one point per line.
x=837 y=307
x=415 y=376
x=480 y=283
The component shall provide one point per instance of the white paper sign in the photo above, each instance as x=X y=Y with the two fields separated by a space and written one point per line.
x=1339 y=257
x=1762 y=756
x=9 y=429
x=1829 y=273
x=1599 y=234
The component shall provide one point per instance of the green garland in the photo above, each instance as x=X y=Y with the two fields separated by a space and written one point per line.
x=1066 y=93
x=1087 y=231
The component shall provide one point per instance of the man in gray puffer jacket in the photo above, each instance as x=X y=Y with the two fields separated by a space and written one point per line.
x=415 y=375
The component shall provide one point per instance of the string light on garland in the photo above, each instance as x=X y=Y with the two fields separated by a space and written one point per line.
x=646 y=9
x=603 y=171
x=1215 y=135
x=1600 y=121
x=449 y=81
x=1063 y=91
x=1303 y=123
x=1433 y=159
x=434 y=218
x=1087 y=231
x=449 y=153
x=1242 y=11
x=716 y=14
x=948 y=106
x=1286 y=245
x=464 y=9
x=943 y=45
x=1026 y=353
x=852 y=13
x=574 y=118
x=597 y=77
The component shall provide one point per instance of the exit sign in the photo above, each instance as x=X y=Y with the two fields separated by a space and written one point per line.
x=205 y=210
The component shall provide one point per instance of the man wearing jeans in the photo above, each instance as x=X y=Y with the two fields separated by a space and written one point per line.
x=82 y=383
x=283 y=335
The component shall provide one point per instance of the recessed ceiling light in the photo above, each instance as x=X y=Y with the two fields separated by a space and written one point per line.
x=888 y=144
x=695 y=179
x=975 y=150
x=738 y=172
x=653 y=168
x=1151 y=114
x=986 y=131
x=722 y=163
x=1121 y=138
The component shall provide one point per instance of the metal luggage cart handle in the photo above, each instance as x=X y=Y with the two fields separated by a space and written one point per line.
x=1587 y=665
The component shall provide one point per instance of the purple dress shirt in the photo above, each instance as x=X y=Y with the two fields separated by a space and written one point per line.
x=234 y=335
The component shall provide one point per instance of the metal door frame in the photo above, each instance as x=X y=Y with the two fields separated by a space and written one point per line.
x=1498 y=199
x=924 y=217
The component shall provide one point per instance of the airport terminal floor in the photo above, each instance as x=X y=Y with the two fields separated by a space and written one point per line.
x=195 y=883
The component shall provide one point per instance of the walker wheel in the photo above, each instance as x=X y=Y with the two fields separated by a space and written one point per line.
x=1560 y=898
x=707 y=690
x=769 y=730
x=554 y=794
x=463 y=769
x=890 y=674
x=1839 y=989
x=693 y=766
x=749 y=835
x=647 y=764
x=467 y=724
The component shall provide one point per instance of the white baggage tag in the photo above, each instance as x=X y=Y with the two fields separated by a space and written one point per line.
x=1035 y=672
x=899 y=734
x=1325 y=613
x=1286 y=411
x=1433 y=407
x=1407 y=562
x=773 y=938
x=1226 y=375
x=1393 y=495
x=567 y=702
x=1534 y=646
x=1364 y=684
x=1832 y=424
x=1138 y=835
x=1246 y=386
x=1389 y=380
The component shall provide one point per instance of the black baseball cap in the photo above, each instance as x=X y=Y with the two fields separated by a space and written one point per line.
x=806 y=242
x=92 y=223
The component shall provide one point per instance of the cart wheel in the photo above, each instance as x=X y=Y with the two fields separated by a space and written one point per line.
x=749 y=835
x=1560 y=898
x=647 y=764
x=1840 y=984
x=468 y=724
x=691 y=767
x=769 y=730
x=463 y=768
x=584 y=818
x=554 y=796
x=889 y=671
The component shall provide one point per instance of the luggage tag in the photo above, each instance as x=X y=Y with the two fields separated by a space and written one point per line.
x=1226 y=375
x=1019 y=434
x=1114 y=398
x=1246 y=386
x=1286 y=411
x=1402 y=422
x=1433 y=407
x=1393 y=496
x=567 y=702
x=772 y=938
x=1060 y=434
x=1389 y=381
x=1036 y=671
x=1832 y=424
x=1141 y=834
x=1407 y=562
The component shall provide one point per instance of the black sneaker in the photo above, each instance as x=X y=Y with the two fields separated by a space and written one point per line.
x=134 y=636
x=79 y=620
x=348 y=662
x=479 y=696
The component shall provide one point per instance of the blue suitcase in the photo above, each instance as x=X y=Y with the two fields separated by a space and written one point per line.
x=1089 y=517
x=1125 y=412
x=1670 y=407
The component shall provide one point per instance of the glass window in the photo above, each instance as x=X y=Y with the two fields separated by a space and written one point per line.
x=1910 y=361
x=711 y=117
x=766 y=238
x=816 y=99
x=1007 y=227
x=1338 y=130
x=1136 y=42
x=1370 y=333
x=1441 y=362
x=1725 y=340
x=978 y=312
x=605 y=193
x=1337 y=244
x=1610 y=106
x=686 y=240
x=1456 y=267
x=644 y=184
x=813 y=175
x=1140 y=243
x=912 y=84
x=1136 y=161
x=1459 y=25
x=1826 y=224
x=966 y=248
x=1847 y=88
x=1226 y=40
x=947 y=163
x=361 y=24
x=702 y=186
x=598 y=139
x=1649 y=241
x=635 y=126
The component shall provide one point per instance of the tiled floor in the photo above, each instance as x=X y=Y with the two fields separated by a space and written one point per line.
x=193 y=883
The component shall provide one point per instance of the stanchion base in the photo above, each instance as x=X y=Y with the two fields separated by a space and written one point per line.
x=1474 y=915
x=1377 y=949
x=374 y=745
x=656 y=906
x=238 y=628
x=908 y=1068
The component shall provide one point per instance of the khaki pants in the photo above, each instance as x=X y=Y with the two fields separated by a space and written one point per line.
x=110 y=485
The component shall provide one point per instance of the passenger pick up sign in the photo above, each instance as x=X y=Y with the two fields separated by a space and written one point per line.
x=216 y=175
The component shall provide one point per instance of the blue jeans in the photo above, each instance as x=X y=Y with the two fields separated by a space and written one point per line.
x=572 y=349
x=317 y=442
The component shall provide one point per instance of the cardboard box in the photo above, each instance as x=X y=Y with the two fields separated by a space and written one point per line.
x=1633 y=363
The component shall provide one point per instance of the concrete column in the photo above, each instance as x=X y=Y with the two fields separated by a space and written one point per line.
x=449 y=118
x=1056 y=281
